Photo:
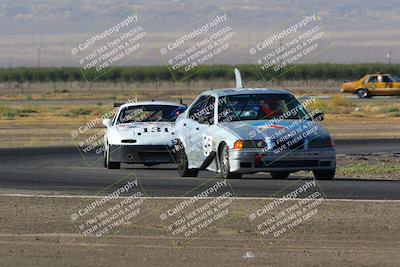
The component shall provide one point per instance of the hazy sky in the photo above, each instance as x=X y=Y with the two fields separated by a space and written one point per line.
x=44 y=32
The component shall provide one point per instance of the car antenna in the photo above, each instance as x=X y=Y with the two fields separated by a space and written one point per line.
x=238 y=78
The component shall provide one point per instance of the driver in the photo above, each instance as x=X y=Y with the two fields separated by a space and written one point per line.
x=271 y=108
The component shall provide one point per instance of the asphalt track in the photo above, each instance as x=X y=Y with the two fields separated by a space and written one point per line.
x=62 y=170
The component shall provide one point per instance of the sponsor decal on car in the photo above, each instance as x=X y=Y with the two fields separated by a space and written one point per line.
x=271 y=127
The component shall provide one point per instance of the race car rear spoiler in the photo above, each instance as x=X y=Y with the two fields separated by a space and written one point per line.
x=238 y=78
x=118 y=104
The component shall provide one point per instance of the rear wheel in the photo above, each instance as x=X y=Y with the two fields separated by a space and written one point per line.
x=183 y=165
x=225 y=167
x=324 y=174
x=363 y=93
x=280 y=175
x=110 y=164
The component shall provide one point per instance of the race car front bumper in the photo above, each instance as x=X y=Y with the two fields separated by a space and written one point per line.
x=141 y=154
x=242 y=161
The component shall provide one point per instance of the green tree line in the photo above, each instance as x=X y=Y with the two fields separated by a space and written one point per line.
x=162 y=73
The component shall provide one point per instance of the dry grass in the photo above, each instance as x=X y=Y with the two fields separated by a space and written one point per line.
x=337 y=104
x=50 y=123
x=147 y=90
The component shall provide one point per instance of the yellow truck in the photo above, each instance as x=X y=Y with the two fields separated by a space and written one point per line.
x=373 y=85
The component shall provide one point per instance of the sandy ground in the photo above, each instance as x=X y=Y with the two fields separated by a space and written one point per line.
x=39 y=231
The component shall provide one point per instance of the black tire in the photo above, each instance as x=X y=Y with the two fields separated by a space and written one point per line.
x=363 y=93
x=149 y=164
x=110 y=164
x=105 y=157
x=224 y=164
x=183 y=166
x=280 y=175
x=324 y=174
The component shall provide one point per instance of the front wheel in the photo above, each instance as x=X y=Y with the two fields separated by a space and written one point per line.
x=363 y=93
x=324 y=174
x=280 y=175
x=183 y=165
x=225 y=167
x=105 y=157
x=150 y=164
x=110 y=164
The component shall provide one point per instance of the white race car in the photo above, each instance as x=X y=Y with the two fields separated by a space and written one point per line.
x=237 y=131
x=141 y=132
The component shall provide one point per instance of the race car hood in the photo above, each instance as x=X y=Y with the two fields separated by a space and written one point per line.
x=348 y=86
x=260 y=130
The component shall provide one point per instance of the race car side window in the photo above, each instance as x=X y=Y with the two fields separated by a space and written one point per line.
x=386 y=79
x=206 y=116
x=372 y=79
x=197 y=106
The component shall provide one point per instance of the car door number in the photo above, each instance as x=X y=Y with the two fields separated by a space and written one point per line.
x=207 y=144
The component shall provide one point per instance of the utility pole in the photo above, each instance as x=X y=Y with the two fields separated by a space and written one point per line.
x=38 y=57
x=389 y=56
x=279 y=58
x=280 y=51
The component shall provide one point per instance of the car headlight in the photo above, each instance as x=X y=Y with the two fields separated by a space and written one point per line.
x=240 y=144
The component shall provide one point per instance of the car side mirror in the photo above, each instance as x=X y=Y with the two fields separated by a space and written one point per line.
x=107 y=123
x=319 y=116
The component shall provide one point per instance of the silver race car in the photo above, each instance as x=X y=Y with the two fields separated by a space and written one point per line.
x=245 y=130
x=141 y=132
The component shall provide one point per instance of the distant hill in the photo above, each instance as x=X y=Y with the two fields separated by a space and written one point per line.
x=359 y=30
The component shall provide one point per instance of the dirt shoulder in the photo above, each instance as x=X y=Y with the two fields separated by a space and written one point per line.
x=39 y=231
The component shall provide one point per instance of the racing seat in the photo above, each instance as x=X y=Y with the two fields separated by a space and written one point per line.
x=271 y=108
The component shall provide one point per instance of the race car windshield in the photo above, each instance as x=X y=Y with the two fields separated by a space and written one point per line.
x=261 y=107
x=146 y=113
x=396 y=78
